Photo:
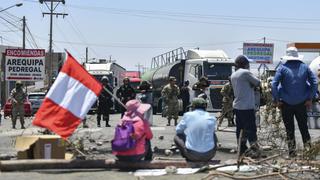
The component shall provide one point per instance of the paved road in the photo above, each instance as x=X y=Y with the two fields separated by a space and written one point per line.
x=97 y=143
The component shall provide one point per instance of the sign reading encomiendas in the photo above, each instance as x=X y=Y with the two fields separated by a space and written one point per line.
x=25 y=64
x=258 y=52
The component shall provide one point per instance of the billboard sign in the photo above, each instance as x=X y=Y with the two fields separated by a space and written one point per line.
x=25 y=64
x=259 y=52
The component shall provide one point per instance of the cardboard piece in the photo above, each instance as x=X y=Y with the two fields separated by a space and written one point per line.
x=40 y=147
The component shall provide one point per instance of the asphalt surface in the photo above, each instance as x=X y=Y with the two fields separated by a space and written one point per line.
x=96 y=144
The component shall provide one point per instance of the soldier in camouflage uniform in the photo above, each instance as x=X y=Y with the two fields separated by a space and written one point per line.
x=170 y=95
x=270 y=109
x=18 y=96
x=227 y=110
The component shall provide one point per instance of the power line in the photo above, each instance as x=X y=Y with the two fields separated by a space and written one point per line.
x=30 y=34
x=199 y=16
x=79 y=33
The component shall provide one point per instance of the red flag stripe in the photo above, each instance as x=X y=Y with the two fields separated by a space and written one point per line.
x=56 y=118
x=76 y=71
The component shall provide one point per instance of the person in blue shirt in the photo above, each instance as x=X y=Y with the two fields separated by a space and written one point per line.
x=293 y=88
x=195 y=137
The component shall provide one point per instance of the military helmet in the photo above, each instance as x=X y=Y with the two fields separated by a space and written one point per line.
x=126 y=79
x=18 y=83
x=104 y=78
x=172 y=78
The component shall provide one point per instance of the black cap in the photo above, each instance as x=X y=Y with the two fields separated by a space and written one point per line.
x=241 y=61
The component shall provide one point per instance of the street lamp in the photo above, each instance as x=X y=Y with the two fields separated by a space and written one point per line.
x=16 y=5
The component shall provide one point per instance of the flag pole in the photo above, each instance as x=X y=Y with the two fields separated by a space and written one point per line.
x=116 y=98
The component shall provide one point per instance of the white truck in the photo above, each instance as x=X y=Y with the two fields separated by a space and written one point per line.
x=190 y=66
x=112 y=70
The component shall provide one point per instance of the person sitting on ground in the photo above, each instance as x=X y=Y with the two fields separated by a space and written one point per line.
x=196 y=137
x=142 y=133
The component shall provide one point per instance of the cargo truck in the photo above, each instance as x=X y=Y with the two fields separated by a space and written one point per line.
x=190 y=65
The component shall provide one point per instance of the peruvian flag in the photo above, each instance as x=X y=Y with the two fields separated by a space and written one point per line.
x=68 y=100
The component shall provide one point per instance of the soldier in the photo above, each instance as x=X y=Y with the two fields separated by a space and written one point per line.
x=227 y=110
x=185 y=95
x=125 y=93
x=170 y=95
x=104 y=102
x=18 y=96
x=269 y=109
x=200 y=87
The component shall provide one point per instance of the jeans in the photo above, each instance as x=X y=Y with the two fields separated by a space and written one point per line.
x=246 y=120
x=300 y=112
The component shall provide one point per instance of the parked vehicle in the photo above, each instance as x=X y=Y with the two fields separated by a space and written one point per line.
x=191 y=66
x=134 y=78
x=36 y=99
x=112 y=70
x=7 y=109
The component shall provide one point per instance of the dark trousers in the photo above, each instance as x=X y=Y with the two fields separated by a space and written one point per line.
x=300 y=112
x=104 y=112
x=191 y=155
x=246 y=120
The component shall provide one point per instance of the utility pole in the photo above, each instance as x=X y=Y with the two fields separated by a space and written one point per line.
x=52 y=5
x=87 y=56
x=139 y=67
x=23 y=32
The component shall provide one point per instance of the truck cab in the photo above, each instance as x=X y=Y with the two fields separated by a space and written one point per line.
x=213 y=64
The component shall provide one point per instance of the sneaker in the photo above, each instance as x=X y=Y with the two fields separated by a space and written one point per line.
x=108 y=125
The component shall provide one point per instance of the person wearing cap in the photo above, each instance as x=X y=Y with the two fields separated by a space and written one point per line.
x=104 y=102
x=195 y=137
x=293 y=88
x=244 y=84
x=170 y=95
x=142 y=133
x=125 y=93
x=18 y=97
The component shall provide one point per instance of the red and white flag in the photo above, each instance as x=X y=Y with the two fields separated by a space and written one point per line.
x=68 y=100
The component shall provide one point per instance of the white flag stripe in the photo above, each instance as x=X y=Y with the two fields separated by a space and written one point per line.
x=72 y=95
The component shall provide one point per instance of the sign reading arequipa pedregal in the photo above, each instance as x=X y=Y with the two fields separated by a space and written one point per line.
x=25 y=64
x=259 y=52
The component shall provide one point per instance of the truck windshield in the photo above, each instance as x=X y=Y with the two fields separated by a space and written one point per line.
x=216 y=71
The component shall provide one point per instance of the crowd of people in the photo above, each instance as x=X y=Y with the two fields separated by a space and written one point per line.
x=290 y=92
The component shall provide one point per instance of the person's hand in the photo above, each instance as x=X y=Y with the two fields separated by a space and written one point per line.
x=308 y=104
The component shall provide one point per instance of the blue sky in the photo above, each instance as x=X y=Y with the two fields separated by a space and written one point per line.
x=133 y=32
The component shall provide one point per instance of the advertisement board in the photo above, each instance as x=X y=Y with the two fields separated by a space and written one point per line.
x=25 y=64
x=259 y=52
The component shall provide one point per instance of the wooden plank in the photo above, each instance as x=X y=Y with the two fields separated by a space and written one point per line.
x=34 y=164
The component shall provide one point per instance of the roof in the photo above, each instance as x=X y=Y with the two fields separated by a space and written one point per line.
x=206 y=54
